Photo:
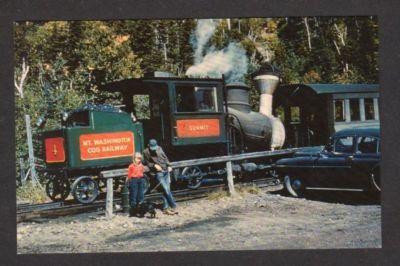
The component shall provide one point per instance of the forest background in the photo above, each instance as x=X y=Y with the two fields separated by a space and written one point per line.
x=68 y=60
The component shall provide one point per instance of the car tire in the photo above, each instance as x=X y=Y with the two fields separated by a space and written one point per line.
x=295 y=186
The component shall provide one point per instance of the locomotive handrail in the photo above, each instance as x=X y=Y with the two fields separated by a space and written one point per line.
x=208 y=160
x=234 y=157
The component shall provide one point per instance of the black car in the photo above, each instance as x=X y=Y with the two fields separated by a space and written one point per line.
x=349 y=162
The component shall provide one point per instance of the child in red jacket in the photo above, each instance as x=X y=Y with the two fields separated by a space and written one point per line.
x=136 y=182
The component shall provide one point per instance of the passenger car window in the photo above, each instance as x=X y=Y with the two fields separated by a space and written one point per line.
x=295 y=114
x=367 y=145
x=196 y=99
x=369 y=109
x=355 y=109
x=339 y=110
x=344 y=145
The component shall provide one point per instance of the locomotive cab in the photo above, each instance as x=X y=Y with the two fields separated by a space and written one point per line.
x=186 y=116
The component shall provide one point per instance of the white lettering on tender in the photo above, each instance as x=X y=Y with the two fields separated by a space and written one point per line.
x=198 y=127
x=111 y=141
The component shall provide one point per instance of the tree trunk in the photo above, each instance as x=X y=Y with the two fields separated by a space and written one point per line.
x=308 y=33
x=20 y=89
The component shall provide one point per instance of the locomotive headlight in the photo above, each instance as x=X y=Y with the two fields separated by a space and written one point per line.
x=40 y=122
x=64 y=116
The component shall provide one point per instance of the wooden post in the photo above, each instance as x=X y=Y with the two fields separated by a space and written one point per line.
x=22 y=171
x=230 y=178
x=30 y=149
x=109 y=200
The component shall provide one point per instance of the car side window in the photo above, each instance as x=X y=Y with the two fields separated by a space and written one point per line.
x=367 y=145
x=343 y=145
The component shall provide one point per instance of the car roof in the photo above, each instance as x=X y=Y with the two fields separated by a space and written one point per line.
x=335 y=88
x=359 y=131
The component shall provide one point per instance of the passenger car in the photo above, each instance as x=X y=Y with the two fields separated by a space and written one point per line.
x=351 y=160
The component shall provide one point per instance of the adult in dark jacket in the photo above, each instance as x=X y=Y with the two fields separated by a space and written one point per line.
x=159 y=164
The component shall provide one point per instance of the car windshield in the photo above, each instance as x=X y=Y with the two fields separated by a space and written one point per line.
x=344 y=145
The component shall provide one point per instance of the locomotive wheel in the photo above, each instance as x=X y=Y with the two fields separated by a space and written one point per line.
x=295 y=186
x=85 y=189
x=57 y=189
x=193 y=175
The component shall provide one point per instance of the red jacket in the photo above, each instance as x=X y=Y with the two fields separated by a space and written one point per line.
x=135 y=171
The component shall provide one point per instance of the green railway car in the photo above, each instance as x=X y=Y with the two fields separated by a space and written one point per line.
x=92 y=139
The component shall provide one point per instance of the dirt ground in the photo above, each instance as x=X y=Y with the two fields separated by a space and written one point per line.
x=246 y=222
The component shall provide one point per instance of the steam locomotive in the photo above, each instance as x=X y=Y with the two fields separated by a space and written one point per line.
x=190 y=118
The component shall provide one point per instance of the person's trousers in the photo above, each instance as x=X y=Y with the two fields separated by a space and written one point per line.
x=168 y=199
x=136 y=191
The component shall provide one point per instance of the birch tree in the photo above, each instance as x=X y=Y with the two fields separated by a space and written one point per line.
x=19 y=85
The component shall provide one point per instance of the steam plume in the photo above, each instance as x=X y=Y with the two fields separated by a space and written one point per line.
x=231 y=61
x=204 y=30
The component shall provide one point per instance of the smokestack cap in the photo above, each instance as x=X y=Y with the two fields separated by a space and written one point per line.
x=267 y=69
x=233 y=85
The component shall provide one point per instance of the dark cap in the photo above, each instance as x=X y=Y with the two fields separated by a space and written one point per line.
x=153 y=144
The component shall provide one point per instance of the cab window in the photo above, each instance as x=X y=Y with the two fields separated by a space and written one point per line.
x=196 y=99
x=141 y=106
x=344 y=145
x=367 y=145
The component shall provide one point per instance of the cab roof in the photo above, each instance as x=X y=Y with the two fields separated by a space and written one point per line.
x=146 y=84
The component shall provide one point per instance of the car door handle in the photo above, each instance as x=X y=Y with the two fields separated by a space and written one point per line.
x=350 y=158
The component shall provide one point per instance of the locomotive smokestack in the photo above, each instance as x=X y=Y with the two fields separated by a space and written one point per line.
x=266 y=79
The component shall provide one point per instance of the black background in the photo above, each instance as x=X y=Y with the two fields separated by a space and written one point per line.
x=388 y=13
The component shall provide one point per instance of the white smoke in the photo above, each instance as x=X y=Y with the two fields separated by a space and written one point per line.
x=204 y=30
x=230 y=61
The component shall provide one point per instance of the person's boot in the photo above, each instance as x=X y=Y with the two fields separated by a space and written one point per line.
x=133 y=212
x=141 y=210
x=167 y=211
x=173 y=211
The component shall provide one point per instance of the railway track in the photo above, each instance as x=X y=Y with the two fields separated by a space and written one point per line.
x=28 y=212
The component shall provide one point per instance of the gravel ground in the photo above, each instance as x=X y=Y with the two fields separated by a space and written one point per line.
x=247 y=221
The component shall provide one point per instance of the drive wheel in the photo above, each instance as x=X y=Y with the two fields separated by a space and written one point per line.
x=85 y=189
x=295 y=186
x=57 y=189
x=193 y=175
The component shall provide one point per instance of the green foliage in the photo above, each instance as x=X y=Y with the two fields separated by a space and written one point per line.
x=32 y=193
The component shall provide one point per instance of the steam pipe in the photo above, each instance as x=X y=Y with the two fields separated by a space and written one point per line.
x=228 y=143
